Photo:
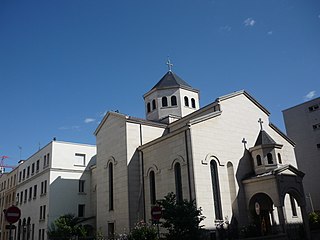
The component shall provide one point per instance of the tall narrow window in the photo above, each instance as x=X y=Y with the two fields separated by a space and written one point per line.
x=216 y=190
x=110 y=230
x=79 y=159
x=173 y=101
x=270 y=158
x=279 y=158
x=259 y=163
x=110 y=186
x=81 y=208
x=186 y=101
x=81 y=186
x=148 y=107
x=153 y=104
x=177 y=173
x=164 y=102
x=193 y=103
x=293 y=206
x=232 y=183
x=152 y=188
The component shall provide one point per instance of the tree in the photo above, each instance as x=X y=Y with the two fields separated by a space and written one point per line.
x=181 y=219
x=65 y=227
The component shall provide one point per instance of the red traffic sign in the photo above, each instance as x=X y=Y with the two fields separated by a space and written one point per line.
x=12 y=214
x=156 y=213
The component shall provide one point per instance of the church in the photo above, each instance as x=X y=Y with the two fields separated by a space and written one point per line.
x=238 y=166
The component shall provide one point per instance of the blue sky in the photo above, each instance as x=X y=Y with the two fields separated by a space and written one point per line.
x=64 y=63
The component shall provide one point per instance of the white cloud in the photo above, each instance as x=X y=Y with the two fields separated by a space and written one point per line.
x=75 y=127
x=249 y=22
x=226 y=28
x=270 y=33
x=310 y=95
x=89 y=120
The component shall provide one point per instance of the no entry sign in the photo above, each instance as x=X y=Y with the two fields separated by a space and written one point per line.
x=156 y=213
x=12 y=214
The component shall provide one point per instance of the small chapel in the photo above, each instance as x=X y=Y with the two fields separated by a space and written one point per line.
x=227 y=156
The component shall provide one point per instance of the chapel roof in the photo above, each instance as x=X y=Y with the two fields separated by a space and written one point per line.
x=170 y=79
x=264 y=139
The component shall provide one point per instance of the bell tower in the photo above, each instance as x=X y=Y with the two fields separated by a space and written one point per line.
x=170 y=99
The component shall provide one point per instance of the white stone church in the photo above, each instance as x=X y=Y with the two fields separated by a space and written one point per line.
x=239 y=167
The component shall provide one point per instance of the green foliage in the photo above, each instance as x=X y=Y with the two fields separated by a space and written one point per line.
x=314 y=220
x=181 y=219
x=143 y=231
x=65 y=227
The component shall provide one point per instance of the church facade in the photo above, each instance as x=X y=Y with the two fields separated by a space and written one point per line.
x=239 y=167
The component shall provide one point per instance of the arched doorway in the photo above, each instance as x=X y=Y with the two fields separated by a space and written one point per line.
x=261 y=211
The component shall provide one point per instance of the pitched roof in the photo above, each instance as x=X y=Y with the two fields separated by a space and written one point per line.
x=170 y=79
x=264 y=139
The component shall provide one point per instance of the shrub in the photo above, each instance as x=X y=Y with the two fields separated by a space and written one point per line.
x=143 y=231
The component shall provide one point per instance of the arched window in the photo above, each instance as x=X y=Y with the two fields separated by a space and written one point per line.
x=148 y=107
x=216 y=190
x=110 y=186
x=259 y=163
x=279 y=158
x=153 y=104
x=193 y=103
x=164 y=102
x=173 y=101
x=152 y=188
x=232 y=183
x=177 y=174
x=186 y=101
x=270 y=158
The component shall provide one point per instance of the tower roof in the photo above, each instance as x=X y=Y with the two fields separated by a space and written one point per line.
x=170 y=79
x=264 y=139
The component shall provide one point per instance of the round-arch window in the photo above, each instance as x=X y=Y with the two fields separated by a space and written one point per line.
x=259 y=163
x=186 y=101
x=153 y=104
x=164 y=102
x=193 y=103
x=148 y=107
x=270 y=158
x=174 y=101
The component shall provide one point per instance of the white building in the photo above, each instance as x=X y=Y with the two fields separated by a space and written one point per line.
x=53 y=182
x=303 y=126
x=226 y=155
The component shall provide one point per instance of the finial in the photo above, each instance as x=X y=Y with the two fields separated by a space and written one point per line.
x=169 y=64
x=260 y=121
x=244 y=143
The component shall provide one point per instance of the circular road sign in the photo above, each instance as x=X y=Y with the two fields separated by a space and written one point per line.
x=12 y=214
x=156 y=213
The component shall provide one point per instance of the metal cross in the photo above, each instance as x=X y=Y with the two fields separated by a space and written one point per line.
x=170 y=65
x=260 y=121
x=244 y=143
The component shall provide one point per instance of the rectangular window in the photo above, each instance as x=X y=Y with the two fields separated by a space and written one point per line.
x=81 y=208
x=45 y=187
x=17 y=200
x=25 y=195
x=38 y=165
x=81 y=186
x=40 y=218
x=44 y=161
x=318 y=145
x=80 y=159
x=20 y=176
x=28 y=171
x=21 y=197
x=32 y=169
x=35 y=191
x=110 y=230
x=44 y=212
x=41 y=190
x=48 y=157
x=316 y=126
x=314 y=108
x=30 y=193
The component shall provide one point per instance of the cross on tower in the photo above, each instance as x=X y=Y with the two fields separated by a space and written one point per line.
x=260 y=121
x=170 y=65
x=244 y=143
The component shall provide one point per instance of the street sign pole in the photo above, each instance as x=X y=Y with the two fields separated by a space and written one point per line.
x=10 y=232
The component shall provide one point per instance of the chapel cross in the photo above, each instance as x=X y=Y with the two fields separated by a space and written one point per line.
x=244 y=143
x=170 y=65
x=260 y=121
